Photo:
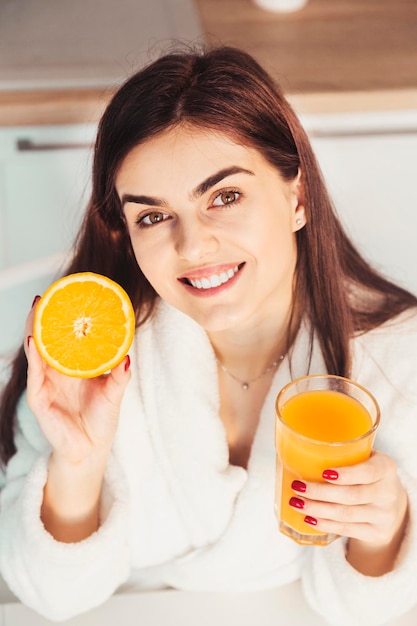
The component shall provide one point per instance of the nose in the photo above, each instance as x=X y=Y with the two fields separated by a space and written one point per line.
x=195 y=240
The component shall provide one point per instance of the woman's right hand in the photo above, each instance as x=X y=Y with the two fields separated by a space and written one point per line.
x=78 y=416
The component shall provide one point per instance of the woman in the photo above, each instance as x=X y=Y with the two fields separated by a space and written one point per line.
x=208 y=207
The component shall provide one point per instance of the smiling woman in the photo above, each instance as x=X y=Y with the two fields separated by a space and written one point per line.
x=206 y=248
x=209 y=208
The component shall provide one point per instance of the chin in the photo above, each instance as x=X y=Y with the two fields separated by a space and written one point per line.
x=217 y=322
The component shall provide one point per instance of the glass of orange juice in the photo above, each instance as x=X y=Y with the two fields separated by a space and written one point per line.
x=322 y=422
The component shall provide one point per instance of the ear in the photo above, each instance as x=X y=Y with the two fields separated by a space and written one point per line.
x=297 y=195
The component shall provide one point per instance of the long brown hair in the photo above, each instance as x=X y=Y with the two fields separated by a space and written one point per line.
x=223 y=89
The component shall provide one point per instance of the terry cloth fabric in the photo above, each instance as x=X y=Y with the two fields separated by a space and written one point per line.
x=175 y=513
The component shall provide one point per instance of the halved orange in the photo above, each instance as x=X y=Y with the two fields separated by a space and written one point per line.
x=84 y=325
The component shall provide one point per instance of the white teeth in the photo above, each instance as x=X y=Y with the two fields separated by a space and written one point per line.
x=215 y=280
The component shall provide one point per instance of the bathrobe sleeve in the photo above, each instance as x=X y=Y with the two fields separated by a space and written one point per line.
x=386 y=363
x=56 y=579
x=345 y=597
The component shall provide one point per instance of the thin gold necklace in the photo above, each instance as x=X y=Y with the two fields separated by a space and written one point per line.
x=246 y=383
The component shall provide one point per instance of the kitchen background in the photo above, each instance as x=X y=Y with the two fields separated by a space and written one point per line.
x=349 y=67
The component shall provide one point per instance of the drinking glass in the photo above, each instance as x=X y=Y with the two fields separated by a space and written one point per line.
x=322 y=422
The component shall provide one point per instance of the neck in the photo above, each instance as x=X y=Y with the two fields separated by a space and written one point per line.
x=248 y=354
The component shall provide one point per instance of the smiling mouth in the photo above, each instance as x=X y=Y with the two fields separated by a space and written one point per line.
x=214 y=280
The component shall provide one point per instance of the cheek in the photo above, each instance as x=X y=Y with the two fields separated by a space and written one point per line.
x=142 y=255
x=275 y=242
x=147 y=264
x=152 y=264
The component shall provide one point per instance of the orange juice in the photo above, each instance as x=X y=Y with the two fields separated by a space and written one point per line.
x=316 y=429
x=326 y=415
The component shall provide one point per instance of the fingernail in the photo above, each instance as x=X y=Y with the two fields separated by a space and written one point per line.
x=29 y=339
x=298 y=503
x=35 y=300
x=127 y=362
x=298 y=485
x=310 y=520
x=330 y=474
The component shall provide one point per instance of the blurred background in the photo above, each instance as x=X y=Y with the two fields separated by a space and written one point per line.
x=349 y=67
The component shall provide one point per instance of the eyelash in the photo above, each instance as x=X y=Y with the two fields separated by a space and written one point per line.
x=227 y=191
x=140 y=221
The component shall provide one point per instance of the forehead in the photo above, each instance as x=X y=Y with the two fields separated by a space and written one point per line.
x=186 y=152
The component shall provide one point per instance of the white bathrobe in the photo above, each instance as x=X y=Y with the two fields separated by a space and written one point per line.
x=176 y=514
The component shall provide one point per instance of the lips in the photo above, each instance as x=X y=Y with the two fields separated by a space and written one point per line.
x=212 y=280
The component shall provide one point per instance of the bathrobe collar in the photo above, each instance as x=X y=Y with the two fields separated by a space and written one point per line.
x=175 y=374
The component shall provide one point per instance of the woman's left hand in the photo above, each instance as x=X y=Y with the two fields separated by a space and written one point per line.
x=365 y=502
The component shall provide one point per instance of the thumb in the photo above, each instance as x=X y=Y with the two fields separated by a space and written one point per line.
x=118 y=379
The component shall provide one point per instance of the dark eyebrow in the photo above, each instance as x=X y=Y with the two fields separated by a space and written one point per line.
x=217 y=177
x=148 y=200
x=196 y=192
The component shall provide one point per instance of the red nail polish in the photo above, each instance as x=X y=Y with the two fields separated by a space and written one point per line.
x=127 y=363
x=330 y=474
x=35 y=300
x=310 y=520
x=298 y=503
x=29 y=339
x=298 y=485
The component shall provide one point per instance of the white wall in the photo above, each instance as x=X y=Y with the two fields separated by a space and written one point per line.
x=369 y=162
x=43 y=191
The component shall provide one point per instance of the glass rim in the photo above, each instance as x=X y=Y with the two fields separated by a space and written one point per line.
x=369 y=432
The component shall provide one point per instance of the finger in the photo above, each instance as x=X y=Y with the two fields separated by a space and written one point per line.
x=366 y=523
x=350 y=495
x=371 y=523
x=343 y=520
x=36 y=373
x=385 y=503
x=117 y=380
x=362 y=531
x=339 y=513
x=29 y=323
x=372 y=481
x=377 y=467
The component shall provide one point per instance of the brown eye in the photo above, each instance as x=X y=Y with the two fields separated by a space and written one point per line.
x=153 y=218
x=226 y=197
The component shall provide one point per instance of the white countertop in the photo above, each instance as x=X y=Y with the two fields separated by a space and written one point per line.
x=284 y=606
